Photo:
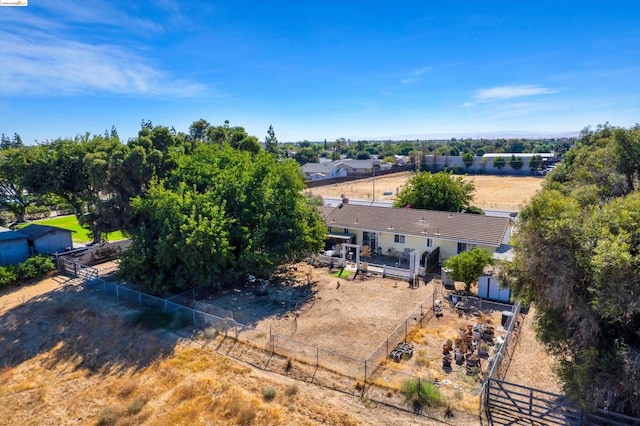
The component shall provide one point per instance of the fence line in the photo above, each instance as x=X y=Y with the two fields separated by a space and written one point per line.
x=275 y=352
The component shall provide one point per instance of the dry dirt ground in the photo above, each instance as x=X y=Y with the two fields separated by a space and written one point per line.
x=492 y=192
x=70 y=356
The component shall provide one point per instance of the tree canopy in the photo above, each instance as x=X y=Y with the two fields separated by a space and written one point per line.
x=578 y=260
x=220 y=214
x=436 y=191
x=468 y=265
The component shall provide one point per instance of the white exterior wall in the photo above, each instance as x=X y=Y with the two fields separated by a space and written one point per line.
x=13 y=252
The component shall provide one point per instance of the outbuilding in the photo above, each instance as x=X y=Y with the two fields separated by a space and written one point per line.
x=14 y=247
x=45 y=239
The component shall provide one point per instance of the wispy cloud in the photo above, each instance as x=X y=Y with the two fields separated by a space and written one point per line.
x=98 y=12
x=49 y=65
x=499 y=93
x=467 y=105
x=415 y=75
x=51 y=53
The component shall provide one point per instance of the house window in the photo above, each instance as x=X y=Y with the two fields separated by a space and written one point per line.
x=397 y=238
x=346 y=230
x=429 y=242
x=462 y=247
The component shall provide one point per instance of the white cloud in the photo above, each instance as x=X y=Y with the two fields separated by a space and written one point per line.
x=509 y=92
x=44 y=64
x=467 y=105
x=415 y=75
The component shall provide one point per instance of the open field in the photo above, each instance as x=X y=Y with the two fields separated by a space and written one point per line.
x=70 y=222
x=492 y=192
x=75 y=355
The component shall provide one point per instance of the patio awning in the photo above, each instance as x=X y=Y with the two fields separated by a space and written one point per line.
x=341 y=236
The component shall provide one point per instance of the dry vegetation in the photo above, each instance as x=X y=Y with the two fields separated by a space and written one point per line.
x=492 y=192
x=72 y=357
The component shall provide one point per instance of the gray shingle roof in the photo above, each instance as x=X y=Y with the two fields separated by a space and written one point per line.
x=461 y=227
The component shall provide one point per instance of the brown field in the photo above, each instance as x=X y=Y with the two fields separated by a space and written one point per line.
x=72 y=356
x=492 y=192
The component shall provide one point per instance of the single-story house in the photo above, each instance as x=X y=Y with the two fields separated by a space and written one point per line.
x=45 y=239
x=389 y=231
x=325 y=170
x=14 y=247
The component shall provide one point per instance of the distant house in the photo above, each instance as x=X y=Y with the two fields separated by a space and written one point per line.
x=339 y=168
x=47 y=239
x=325 y=170
x=14 y=247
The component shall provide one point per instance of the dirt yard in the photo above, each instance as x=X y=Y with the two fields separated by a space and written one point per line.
x=347 y=316
x=74 y=355
x=492 y=192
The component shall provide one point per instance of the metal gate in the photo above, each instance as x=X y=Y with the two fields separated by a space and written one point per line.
x=74 y=269
x=513 y=404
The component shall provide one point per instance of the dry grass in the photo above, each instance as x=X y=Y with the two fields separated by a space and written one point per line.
x=54 y=378
x=492 y=192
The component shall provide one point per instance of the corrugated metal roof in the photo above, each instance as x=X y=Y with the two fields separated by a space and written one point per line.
x=462 y=227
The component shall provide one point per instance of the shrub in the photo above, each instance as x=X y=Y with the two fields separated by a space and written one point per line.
x=135 y=406
x=35 y=267
x=291 y=390
x=107 y=416
x=8 y=276
x=37 y=212
x=419 y=394
x=269 y=393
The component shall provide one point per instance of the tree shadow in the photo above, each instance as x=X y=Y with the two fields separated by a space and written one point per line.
x=74 y=325
x=252 y=303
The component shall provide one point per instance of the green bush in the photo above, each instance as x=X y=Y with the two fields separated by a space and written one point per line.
x=35 y=267
x=420 y=394
x=37 y=212
x=269 y=393
x=8 y=276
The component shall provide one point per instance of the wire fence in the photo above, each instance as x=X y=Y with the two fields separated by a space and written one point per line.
x=374 y=376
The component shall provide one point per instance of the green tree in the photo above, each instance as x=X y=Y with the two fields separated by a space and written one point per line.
x=467 y=159
x=515 y=162
x=221 y=214
x=363 y=155
x=15 y=174
x=577 y=261
x=436 y=191
x=271 y=142
x=535 y=162
x=468 y=266
x=499 y=162
x=306 y=155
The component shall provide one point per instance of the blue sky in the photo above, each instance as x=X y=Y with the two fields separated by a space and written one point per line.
x=319 y=70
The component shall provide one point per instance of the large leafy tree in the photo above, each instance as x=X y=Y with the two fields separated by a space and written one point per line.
x=468 y=265
x=436 y=191
x=222 y=213
x=578 y=260
x=15 y=174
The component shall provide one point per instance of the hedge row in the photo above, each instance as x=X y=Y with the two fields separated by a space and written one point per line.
x=34 y=267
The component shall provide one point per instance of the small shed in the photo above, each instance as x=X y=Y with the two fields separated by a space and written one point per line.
x=14 y=247
x=47 y=239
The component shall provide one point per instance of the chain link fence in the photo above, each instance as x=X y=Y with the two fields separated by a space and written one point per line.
x=374 y=377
